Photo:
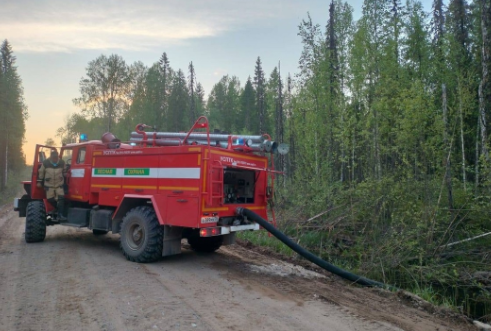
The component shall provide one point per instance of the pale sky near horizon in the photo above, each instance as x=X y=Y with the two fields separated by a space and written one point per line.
x=54 y=40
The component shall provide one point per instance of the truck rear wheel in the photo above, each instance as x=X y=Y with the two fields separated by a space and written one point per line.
x=141 y=235
x=205 y=244
x=35 y=222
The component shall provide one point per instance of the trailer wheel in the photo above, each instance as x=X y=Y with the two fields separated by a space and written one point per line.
x=35 y=222
x=205 y=244
x=99 y=232
x=141 y=235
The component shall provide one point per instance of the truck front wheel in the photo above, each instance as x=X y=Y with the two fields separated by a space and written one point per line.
x=141 y=235
x=35 y=222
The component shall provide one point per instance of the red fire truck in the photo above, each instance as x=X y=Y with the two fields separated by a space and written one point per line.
x=158 y=188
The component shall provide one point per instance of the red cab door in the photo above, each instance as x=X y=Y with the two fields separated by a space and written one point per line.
x=42 y=153
x=78 y=174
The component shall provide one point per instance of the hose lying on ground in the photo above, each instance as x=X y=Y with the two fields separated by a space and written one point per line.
x=308 y=255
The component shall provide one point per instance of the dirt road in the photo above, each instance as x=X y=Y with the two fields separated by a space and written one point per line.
x=77 y=281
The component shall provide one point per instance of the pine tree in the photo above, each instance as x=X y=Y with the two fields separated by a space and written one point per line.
x=178 y=103
x=331 y=68
x=152 y=98
x=272 y=97
x=416 y=45
x=366 y=59
x=279 y=120
x=200 y=100
x=192 y=96
x=274 y=94
x=438 y=22
x=248 y=114
x=216 y=106
x=233 y=103
x=458 y=27
x=291 y=127
x=485 y=81
x=224 y=104
x=3 y=135
x=259 y=83
x=13 y=114
x=165 y=86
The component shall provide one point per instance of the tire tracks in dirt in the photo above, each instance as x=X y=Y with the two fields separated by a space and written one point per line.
x=77 y=281
x=242 y=301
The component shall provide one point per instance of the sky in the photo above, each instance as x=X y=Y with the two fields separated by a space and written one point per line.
x=54 y=40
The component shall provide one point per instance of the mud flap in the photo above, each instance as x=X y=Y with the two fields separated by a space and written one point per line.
x=229 y=239
x=172 y=240
x=20 y=205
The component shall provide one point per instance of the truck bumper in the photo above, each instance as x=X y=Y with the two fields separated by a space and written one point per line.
x=236 y=228
x=224 y=230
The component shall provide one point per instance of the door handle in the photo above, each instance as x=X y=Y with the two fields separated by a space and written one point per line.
x=181 y=200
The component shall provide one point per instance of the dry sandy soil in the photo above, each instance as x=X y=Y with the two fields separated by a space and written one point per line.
x=77 y=281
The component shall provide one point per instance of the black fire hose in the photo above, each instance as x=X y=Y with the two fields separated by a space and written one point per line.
x=308 y=255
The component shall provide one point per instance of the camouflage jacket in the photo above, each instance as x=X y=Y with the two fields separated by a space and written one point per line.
x=52 y=175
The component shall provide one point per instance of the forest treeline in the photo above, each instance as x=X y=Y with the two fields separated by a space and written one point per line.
x=13 y=114
x=388 y=125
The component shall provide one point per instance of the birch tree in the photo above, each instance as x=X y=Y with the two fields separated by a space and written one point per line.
x=103 y=90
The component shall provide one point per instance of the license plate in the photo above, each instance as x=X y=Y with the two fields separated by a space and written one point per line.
x=205 y=220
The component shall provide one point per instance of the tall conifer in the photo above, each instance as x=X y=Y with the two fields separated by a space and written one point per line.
x=13 y=114
x=259 y=83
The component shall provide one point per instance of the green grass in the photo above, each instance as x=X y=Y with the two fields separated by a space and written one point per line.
x=14 y=187
x=434 y=297
x=262 y=238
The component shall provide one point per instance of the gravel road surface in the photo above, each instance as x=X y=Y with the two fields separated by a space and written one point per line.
x=75 y=280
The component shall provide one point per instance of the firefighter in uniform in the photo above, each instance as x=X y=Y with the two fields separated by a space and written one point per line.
x=51 y=177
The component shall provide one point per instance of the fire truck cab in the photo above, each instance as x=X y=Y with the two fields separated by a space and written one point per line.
x=157 y=189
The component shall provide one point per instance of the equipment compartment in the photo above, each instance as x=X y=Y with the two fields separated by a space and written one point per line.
x=238 y=185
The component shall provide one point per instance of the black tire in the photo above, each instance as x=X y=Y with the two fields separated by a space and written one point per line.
x=205 y=244
x=35 y=222
x=141 y=235
x=98 y=232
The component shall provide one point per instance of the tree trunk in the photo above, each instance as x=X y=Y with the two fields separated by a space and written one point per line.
x=484 y=84
x=482 y=117
x=476 y=166
x=343 y=153
x=6 y=161
x=376 y=143
x=353 y=154
x=462 y=135
x=3 y=163
x=448 y=174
